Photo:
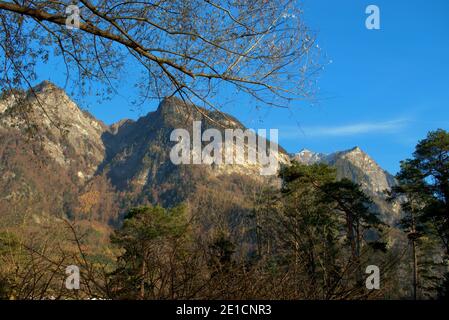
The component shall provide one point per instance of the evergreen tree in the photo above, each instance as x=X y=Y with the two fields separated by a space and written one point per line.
x=153 y=241
x=362 y=223
x=307 y=231
x=317 y=214
x=424 y=191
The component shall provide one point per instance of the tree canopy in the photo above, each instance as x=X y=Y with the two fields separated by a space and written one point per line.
x=424 y=183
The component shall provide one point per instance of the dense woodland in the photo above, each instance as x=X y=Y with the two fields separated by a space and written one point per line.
x=310 y=239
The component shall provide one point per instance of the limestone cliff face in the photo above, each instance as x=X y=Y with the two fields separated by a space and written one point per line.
x=357 y=166
x=70 y=136
x=49 y=155
x=138 y=153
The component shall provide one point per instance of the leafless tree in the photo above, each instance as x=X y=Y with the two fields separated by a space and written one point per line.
x=192 y=49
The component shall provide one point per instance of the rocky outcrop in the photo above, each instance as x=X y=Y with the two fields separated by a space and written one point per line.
x=70 y=136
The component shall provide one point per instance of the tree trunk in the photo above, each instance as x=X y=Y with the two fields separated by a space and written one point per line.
x=415 y=270
x=142 y=277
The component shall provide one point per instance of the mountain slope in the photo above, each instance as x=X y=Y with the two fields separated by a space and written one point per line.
x=70 y=136
x=50 y=152
x=138 y=153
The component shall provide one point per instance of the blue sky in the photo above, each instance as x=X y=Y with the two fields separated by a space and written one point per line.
x=384 y=90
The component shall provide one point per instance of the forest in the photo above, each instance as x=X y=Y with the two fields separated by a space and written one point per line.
x=311 y=239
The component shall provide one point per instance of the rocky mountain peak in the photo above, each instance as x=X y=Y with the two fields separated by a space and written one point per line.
x=70 y=136
x=305 y=151
x=359 y=158
x=360 y=167
x=46 y=86
x=170 y=104
x=34 y=98
x=52 y=98
x=356 y=149
x=174 y=111
x=355 y=152
x=119 y=125
x=308 y=157
x=174 y=108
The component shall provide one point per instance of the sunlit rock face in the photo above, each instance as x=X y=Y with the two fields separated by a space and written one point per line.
x=360 y=167
x=69 y=135
x=138 y=153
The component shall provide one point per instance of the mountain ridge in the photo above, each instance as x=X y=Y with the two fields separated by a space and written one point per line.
x=127 y=163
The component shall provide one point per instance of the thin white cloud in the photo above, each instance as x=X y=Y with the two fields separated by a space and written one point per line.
x=382 y=127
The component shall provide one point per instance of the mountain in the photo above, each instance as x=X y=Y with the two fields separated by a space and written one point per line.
x=138 y=154
x=353 y=164
x=50 y=150
x=359 y=167
x=58 y=160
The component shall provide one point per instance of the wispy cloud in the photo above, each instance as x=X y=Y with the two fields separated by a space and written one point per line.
x=381 y=127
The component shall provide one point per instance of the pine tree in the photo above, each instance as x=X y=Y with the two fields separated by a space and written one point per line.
x=152 y=238
x=360 y=218
x=316 y=215
x=424 y=191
